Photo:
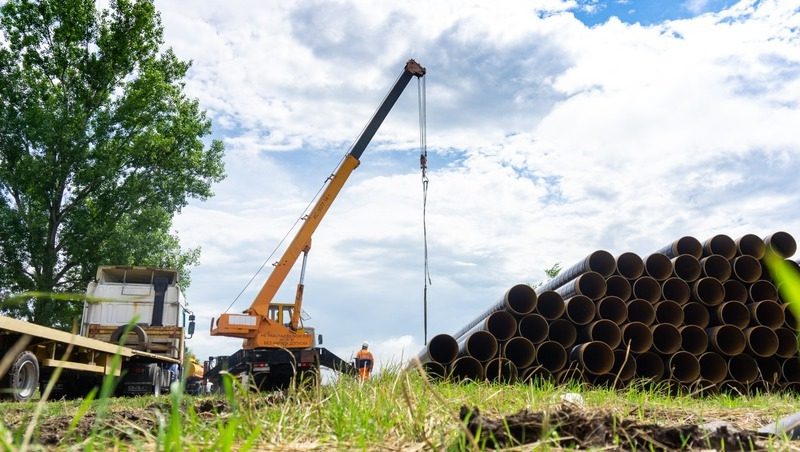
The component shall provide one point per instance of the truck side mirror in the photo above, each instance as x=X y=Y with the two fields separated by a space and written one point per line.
x=319 y=339
x=190 y=329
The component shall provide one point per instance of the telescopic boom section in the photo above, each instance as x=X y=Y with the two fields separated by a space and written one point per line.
x=255 y=326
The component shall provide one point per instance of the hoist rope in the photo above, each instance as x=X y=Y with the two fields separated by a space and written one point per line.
x=423 y=164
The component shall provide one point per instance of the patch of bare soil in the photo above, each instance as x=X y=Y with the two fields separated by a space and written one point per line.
x=54 y=430
x=569 y=426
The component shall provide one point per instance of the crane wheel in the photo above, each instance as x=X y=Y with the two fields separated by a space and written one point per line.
x=141 y=335
x=22 y=379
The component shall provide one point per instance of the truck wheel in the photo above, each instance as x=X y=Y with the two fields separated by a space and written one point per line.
x=140 y=333
x=22 y=379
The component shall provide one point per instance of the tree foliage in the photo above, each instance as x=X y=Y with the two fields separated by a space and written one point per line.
x=99 y=147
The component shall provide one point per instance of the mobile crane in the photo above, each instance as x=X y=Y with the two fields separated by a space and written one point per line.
x=276 y=346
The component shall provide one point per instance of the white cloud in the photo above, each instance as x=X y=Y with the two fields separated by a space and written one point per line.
x=696 y=6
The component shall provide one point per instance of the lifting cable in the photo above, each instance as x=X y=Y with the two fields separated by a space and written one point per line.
x=423 y=165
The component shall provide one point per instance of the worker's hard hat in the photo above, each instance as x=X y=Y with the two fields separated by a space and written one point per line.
x=364 y=344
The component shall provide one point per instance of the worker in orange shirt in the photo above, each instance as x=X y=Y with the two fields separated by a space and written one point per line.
x=364 y=362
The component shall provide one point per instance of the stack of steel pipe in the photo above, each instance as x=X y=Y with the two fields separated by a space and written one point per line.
x=704 y=316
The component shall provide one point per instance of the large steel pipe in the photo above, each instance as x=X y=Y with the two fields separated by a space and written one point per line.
x=750 y=245
x=695 y=314
x=720 y=244
x=727 y=339
x=732 y=387
x=684 y=245
x=481 y=345
x=761 y=341
x=551 y=305
x=552 y=356
x=612 y=308
x=735 y=291
x=434 y=370
x=534 y=328
x=767 y=313
x=693 y=339
x=563 y=331
x=716 y=266
x=684 y=367
x=590 y=284
x=617 y=286
x=658 y=266
x=594 y=357
x=649 y=365
x=531 y=374
x=686 y=267
x=732 y=313
x=580 y=309
x=519 y=300
x=743 y=368
x=763 y=290
x=782 y=243
x=466 y=368
x=789 y=319
x=791 y=369
x=647 y=288
x=666 y=338
x=676 y=289
x=787 y=343
x=708 y=291
x=602 y=330
x=443 y=348
x=668 y=311
x=746 y=269
x=713 y=367
x=770 y=370
x=637 y=336
x=599 y=261
x=501 y=370
x=520 y=351
x=630 y=265
x=624 y=365
x=640 y=310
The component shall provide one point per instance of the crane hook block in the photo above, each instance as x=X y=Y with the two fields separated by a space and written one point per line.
x=414 y=68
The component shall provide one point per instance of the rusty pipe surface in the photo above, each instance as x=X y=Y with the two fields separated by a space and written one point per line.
x=647 y=288
x=519 y=300
x=732 y=313
x=743 y=368
x=693 y=339
x=683 y=366
x=750 y=245
x=658 y=266
x=534 y=328
x=563 y=331
x=684 y=245
x=624 y=368
x=708 y=291
x=590 y=284
x=551 y=305
x=481 y=345
x=668 y=311
x=552 y=356
x=735 y=291
x=686 y=267
x=716 y=266
x=762 y=290
x=443 y=348
x=600 y=261
x=640 y=310
x=666 y=338
x=595 y=357
x=695 y=314
x=761 y=341
x=434 y=370
x=782 y=243
x=746 y=269
x=519 y=351
x=767 y=313
x=612 y=308
x=676 y=289
x=713 y=367
x=649 y=365
x=580 y=309
x=500 y=370
x=602 y=330
x=720 y=244
x=637 y=336
x=787 y=343
x=629 y=265
x=617 y=286
x=466 y=368
x=727 y=339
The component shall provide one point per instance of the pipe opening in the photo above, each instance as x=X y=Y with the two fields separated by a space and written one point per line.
x=650 y=365
x=550 y=305
x=602 y=262
x=519 y=351
x=434 y=370
x=612 y=308
x=732 y=387
x=536 y=374
x=747 y=269
x=521 y=299
x=708 y=291
x=791 y=369
x=502 y=325
x=761 y=341
x=720 y=244
x=676 y=289
x=481 y=345
x=624 y=366
x=638 y=336
x=630 y=265
x=733 y=313
x=716 y=266
x=727 y=339
x=735 y=291
x=534 y=328
x=684 y=245
x=666 y=338
x=743 y=368
x=684 y=367
x=751 y=245
x=693 y=339
x=552 y=356
x=763 y=290
x=605 y=331
x=595 y=357
x=647 y=288
x=443 y=348
x=563 y=331
x=695 y=314
x=618 y=286
x=782 y=243
x=770 y=370
x=767 y=313
x=686 y=267
x=789 y=320
x=787 y=343
x=466 y=368
x=580 y=309
x=501 y=370
x=668 y=311
x=591 y=284
x=640 y=310
x=658 y=266
x=713 y=367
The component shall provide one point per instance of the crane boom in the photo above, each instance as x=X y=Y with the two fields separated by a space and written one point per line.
x=254 y=325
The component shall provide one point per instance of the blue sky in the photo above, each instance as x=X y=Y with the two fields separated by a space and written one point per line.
x=552 y=132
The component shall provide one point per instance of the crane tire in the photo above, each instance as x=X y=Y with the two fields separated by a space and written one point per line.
x=22 y=379
x=141 y=334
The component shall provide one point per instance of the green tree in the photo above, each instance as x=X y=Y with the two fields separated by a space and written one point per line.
x=99 y=148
